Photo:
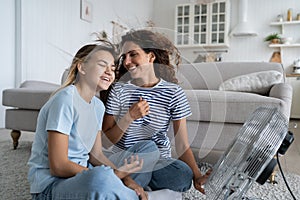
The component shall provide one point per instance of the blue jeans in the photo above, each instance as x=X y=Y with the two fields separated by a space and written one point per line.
x=163 y=173
x=99 y=183
x=171 y=174
x=148 y=151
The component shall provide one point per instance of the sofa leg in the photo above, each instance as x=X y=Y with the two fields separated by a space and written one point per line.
x=15 y=134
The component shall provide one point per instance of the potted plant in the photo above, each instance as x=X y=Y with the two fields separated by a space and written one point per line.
x=273 y=38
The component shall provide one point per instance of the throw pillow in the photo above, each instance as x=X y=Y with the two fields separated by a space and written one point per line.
x=258 y=82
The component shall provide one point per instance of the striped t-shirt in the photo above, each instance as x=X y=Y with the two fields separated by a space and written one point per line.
x=167 y=101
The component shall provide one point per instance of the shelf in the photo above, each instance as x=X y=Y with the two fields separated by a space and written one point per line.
x=292 y=75
x=282 y=24
x=285 y=23
x=284 y=45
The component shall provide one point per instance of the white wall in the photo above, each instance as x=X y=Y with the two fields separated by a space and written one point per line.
x=52 y=32
x=260 y=14
x=7 y=49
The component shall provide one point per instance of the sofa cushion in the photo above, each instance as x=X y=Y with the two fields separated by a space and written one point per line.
x=258 y=82
x=226 y=106
x=210 y=75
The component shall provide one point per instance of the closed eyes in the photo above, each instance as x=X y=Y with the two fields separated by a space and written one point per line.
x=103 y=63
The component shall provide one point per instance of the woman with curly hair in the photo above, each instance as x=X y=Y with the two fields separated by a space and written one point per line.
x=141 y=105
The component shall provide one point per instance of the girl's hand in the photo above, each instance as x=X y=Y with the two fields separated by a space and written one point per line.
x=137 y=188
x=135 y=164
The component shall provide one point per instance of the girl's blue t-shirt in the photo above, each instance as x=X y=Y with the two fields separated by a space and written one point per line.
x=68 y=113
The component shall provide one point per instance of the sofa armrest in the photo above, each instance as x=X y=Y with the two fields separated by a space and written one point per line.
x=284 y=92
x=30 y=95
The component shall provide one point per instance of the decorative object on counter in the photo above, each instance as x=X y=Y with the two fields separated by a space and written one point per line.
x=209 y=55
x=297 y=62
x=274 y=38
x=290 y=14
x=280 y=18
x=296 y=68
x=276 y=57
x=286 y=40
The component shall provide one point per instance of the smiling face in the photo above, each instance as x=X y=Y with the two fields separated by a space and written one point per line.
x=138 y=63
x=99 y=70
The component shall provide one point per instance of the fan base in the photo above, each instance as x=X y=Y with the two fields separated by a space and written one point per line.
x=272 y=178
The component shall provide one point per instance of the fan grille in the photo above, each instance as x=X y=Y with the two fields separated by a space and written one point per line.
x=252 y=149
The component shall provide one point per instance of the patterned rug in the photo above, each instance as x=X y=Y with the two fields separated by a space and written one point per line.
x=14 y=184
x=268 y=191
x=262 y=192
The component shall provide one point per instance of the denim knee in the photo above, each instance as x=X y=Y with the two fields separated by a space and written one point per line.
x=185 y=176
x=172 y=174
x=100 y=176
x=148 y=151
x=145 y=146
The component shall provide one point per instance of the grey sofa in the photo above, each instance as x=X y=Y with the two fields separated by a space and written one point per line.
x=218 y=114
x=24 y=104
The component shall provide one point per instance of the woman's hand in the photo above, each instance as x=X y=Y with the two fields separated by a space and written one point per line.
x=201 y=180
x=139 y=109
x=135 y=164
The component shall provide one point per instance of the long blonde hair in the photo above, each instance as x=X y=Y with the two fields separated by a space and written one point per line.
x=82 y=56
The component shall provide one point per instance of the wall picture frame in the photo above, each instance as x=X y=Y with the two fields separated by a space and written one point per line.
x=86 y=11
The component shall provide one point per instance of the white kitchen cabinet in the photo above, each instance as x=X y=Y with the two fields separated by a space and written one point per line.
x=294 y=80
x=202 y=24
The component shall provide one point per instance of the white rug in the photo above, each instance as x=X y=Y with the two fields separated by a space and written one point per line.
x=14 y=184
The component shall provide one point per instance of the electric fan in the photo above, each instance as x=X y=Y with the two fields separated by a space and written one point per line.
x=250 y=157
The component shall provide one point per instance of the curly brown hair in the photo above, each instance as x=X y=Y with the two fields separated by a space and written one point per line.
x=164 y=50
